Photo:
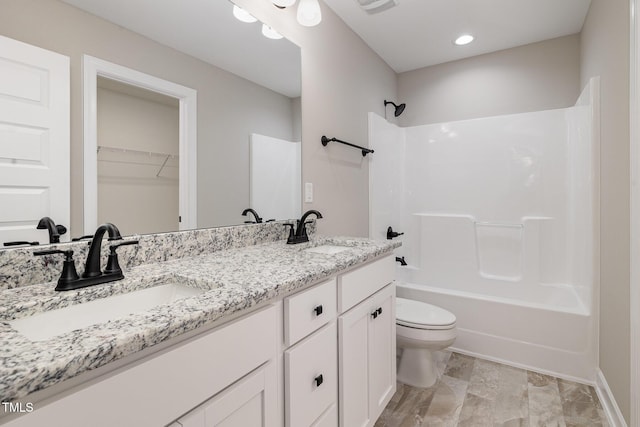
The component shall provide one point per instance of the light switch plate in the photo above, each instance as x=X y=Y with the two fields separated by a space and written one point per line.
x=308 y=192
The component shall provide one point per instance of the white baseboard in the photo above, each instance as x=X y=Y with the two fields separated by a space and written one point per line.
x=609 y=405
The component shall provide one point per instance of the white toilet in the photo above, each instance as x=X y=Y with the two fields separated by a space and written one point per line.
x=421 y=330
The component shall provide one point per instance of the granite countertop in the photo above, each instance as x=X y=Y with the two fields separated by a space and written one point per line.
x=234 y=280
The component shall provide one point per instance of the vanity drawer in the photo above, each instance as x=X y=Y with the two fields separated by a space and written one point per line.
x=359 y=284
x=311 y=377
x=309 y=310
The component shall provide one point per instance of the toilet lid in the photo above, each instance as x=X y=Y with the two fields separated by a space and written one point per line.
x=417 y=314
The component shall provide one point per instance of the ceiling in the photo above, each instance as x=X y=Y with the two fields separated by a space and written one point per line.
x=208 y=31
x=420 y=33
x=411 y=35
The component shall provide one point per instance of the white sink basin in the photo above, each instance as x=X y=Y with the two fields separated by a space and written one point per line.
x=49 y=324
x=327 y=249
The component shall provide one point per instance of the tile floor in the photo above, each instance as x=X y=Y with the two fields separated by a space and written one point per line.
x=476 y=392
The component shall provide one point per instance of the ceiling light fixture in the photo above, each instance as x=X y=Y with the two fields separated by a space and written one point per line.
x=270 y=33
x=463 y=39
x=243 y=15
x=309 y=13
x=284 y=3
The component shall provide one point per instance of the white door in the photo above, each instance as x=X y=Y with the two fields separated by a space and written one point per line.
x=275 y=177
x=34 y=140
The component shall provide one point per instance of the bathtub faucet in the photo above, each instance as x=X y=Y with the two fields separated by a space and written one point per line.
x=401 y=260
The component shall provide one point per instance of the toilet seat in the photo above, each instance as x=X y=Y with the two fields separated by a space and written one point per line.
x=420 y=315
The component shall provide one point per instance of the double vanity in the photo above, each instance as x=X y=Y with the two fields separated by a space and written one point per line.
x=233 y=327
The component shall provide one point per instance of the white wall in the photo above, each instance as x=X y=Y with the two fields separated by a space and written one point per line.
x=604 y=49
x=535 y=77
x=223 y=134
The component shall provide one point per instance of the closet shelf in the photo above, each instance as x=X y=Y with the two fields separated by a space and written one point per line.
x=156 y=160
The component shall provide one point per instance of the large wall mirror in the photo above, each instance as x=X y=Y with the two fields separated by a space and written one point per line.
x=248 y=90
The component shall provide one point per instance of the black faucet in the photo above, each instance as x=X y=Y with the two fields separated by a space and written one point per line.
x=92 y=275
x=92 y=266
x=300 y=235
x=255 y=215
x=55 y=231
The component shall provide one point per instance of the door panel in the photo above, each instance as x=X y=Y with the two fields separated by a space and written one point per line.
x=382 y=352
x=34 y=140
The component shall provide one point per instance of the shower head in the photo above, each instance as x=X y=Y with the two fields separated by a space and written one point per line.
x=399 y=108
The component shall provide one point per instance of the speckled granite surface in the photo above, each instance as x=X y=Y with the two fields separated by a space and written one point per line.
x=234 y=279
x=18 y=266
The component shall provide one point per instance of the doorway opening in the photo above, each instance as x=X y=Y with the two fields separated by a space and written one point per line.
x=97 y=72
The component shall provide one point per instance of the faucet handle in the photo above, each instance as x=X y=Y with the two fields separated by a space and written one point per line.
x=21 y=242
x=123 y=243
x=113 y=266
x=69 y=273
x=291 y=235
x=68 y=253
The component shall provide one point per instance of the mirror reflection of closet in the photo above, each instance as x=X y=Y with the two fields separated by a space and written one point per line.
x=138 y=146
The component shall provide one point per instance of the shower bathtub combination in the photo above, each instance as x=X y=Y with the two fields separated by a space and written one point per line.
x=500 y=224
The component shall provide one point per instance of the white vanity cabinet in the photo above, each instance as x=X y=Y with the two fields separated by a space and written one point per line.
x=367 y=342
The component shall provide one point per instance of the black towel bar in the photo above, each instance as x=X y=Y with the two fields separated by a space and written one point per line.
x=364 y=150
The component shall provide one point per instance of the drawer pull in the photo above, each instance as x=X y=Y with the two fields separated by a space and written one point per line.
x=318 y=310
x=377 y=312
x=319 y=380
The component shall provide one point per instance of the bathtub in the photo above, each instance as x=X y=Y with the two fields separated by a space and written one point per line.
x=549 y=331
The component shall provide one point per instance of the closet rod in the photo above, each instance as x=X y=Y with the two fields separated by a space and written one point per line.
x=326 y=140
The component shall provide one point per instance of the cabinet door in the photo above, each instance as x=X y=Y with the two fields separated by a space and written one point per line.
x=251 y=402
x=367 y=358
x=353 y=349
x=382 y=351
x=311 y=377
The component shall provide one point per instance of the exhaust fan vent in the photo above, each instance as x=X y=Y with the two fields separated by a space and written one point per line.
x=376 y=6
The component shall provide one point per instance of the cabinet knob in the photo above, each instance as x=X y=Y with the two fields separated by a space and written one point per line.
x=318 y=380
x=318 y=310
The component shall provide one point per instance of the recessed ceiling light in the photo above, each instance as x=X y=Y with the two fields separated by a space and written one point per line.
x=243 y=15
x=463 y=39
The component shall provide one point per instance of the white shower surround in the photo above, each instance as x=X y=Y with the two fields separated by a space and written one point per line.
x=500 y=220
